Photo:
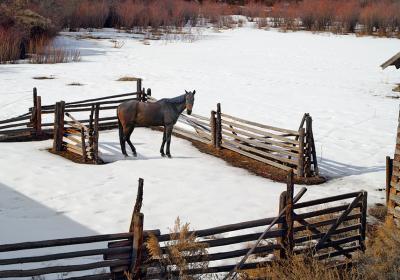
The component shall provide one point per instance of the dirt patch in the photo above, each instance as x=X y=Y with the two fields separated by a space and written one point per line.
x=253 y=166
x=75 y=84
x=44 y=78
x=127 y=79
x=72 y=157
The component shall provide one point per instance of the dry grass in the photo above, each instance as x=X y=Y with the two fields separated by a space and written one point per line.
x=44 y=78
x=378 y=211
x=182 y=246
x=75 y=84
x=10 y=43
x=127 y=79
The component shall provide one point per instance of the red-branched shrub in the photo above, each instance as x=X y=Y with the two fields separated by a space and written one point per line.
x=90 y=14
x=347 y=15
x=10 y=44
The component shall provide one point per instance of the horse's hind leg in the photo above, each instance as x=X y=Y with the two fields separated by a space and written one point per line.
x=122 y=138
x=163 y=142
x=127 y=137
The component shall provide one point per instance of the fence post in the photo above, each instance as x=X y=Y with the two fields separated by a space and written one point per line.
x=148 y=93
x=289 y=212
x=363 y=230
x=282 y=226
x=38 y=123
x=91 y=133
x=143 y=95
x=300 y=165
x=136 y=228
x=389 y=170
x=96 y=134
x=83 y=143
x=213 y=129
x=139 y=85
x=218 y=128
x=58 y=126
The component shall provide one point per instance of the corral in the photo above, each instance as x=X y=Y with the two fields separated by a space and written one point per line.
x=328 y=232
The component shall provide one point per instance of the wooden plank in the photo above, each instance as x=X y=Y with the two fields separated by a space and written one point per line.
x=389 y=168
x=67 y=255
x=263 y=133
x=16 y=119
x=326 y=200
x=76 y=121
x=324 y=211
x=103 y=98
x=190 y=135
x=343 y=215
x=292 y=132
x=101 y=276
x=260 y=145
x=59 y=269
x=275 y=164
x=300 y=165
x=15 y=125
x=225 y=228
x=64 y=242
x=261 y=153
x=262 y=139
x=199 y=117
x=320 y=234
x=310 y=226
x=289 y=215
x=338 y=253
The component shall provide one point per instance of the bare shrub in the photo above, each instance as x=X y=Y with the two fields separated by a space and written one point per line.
x=347 y=15
x=43 y=51
x=181 y=247
x=90 y=14
x=10 y=44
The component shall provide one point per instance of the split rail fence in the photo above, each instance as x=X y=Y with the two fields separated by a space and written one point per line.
x=329 y=228
x=286 y=149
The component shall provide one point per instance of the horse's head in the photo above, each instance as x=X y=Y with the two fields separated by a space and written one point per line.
x=189 y=101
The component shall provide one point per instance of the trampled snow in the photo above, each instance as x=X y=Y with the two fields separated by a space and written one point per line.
x=266 y=76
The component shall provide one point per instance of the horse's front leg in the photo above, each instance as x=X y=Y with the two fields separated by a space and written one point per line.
x=163 y=142
x=169 y=133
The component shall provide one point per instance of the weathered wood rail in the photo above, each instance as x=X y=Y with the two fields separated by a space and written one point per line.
x=331 y=227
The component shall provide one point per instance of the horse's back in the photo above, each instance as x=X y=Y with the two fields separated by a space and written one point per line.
x=140 y=113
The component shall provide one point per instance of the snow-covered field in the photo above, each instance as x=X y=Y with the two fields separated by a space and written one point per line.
x=266 y=76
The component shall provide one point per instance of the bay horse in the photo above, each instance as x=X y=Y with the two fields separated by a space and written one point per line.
x=164 y=112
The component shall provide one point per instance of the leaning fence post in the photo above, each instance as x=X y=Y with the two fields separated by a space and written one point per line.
x=58 y=126
x=136 y=228
x=218 y=128
x=389 y=170
x=33 y=116
x=300 y=165
x=91 y=133
x=213 y=129
x=289 y=215
x=282 y=240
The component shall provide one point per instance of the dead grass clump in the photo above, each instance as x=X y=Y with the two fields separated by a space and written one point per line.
x=127 y=79
x=44 y=78
x=75 y=84
x=378 y=211
x=299 y=267
x=180 y=254
x=382 y=260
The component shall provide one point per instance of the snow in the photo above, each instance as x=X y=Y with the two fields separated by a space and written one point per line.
x=265 y=76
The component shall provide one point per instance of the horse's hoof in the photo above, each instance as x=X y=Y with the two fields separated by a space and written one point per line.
x=135 y=154
x=169 y=156
x=162 y=154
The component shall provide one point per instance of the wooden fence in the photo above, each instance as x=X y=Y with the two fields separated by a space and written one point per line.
x=282 y=148
x=38 y=122
x=330 y=227
x=393 y=180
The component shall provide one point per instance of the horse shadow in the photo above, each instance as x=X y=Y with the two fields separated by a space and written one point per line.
x=111 y=152
x=334 y=169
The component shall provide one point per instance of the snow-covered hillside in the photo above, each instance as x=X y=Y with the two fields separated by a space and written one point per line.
x=266 y=76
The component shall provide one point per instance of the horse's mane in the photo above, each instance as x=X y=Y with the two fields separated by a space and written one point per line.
x=175 y=100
